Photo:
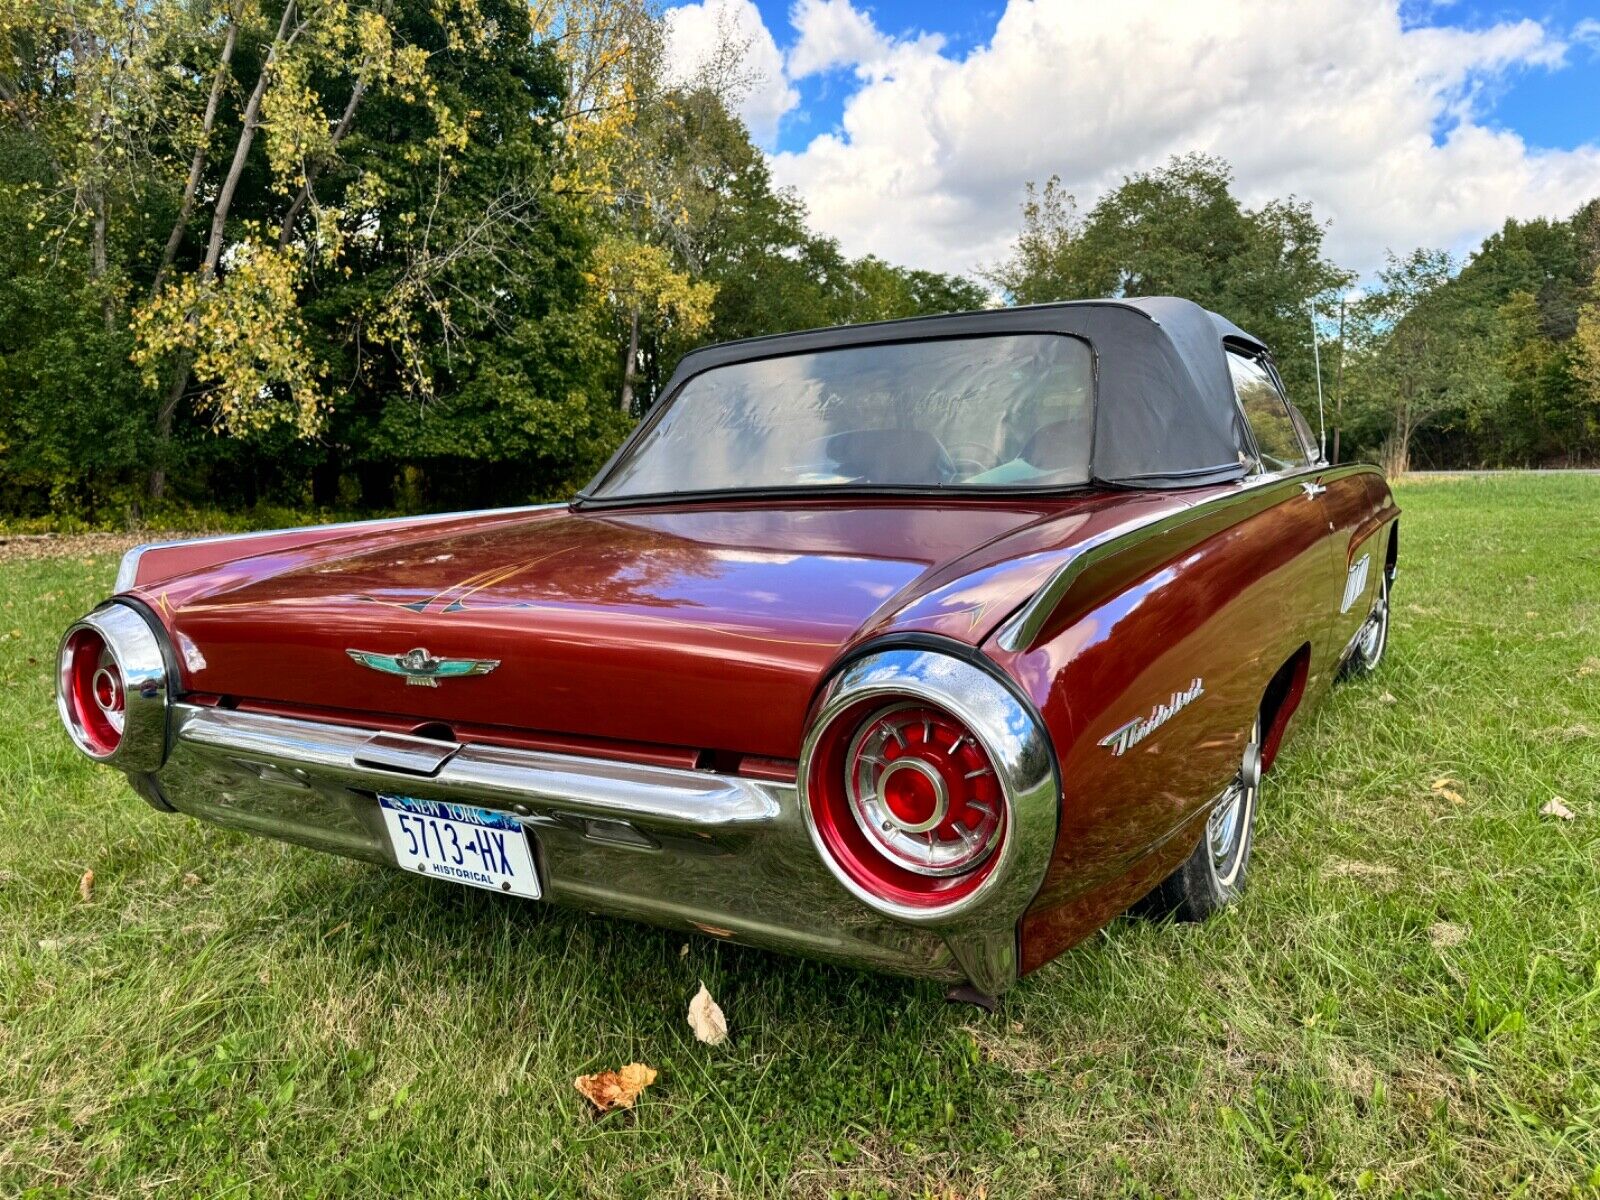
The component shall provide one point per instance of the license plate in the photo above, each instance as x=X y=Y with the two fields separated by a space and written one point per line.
x=475 y=846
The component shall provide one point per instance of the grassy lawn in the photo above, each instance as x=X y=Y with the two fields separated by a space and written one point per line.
x=1407 y=1002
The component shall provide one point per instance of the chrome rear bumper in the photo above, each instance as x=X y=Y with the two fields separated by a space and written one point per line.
x=725 y=855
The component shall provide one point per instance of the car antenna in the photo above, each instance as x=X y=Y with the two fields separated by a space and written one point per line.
x=1316 y=358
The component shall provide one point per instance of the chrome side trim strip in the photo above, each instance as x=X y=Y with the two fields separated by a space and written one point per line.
x=1020 y=631
x=128 y=569
x=520 y=781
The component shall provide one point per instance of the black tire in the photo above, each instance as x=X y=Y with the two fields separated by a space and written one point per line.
x=1373 y=639
x=1214 y=875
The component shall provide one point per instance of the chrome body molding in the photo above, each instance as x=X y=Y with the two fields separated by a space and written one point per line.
x=1024 y=627
x=137 y=650
x=722 y=854
x=980 y=927
x=128 y=569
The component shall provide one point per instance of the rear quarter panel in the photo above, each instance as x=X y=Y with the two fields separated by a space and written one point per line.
x=1363 y=512
x=1226 y=599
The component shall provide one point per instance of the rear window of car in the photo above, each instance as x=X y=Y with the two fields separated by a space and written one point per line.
x=994 y=412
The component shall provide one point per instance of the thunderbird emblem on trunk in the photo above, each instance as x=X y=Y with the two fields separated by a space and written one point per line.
x=421 y=668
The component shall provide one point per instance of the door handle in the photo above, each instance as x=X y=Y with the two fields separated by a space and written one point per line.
x=1312 y=490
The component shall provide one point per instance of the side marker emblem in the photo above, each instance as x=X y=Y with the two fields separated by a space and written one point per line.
x=1126 y=737
x=1355 y=583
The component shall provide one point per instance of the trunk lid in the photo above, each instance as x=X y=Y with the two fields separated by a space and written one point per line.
x=702 y=628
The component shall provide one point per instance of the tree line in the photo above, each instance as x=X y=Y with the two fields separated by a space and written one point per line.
x=1434 y=363
x=376 y=254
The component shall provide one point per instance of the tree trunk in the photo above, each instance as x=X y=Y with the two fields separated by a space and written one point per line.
x=93 y=191
x=630 y=363
x=287 y=230
x=97 y=267
x=1399 y=450
x=198 y=162
x=164 y=420
x=313 y=169
x=249 y=121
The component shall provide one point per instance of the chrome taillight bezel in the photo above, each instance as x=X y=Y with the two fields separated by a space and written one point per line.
x=135 y=650
x=999 y=886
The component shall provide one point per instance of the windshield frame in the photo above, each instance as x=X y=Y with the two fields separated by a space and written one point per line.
x=586 y=499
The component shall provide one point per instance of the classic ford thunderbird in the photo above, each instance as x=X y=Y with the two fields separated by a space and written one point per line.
x=928 y=646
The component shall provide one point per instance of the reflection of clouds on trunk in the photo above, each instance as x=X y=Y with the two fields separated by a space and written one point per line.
x=929 y=413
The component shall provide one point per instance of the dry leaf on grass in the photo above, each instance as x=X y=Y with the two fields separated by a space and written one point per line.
x=1557 y=808
x=86 y=887
x=615 y=1089
x=706 y=1019
x=1444 y=934
x=1389 y=698
x=190 y=880
x=1445 y=786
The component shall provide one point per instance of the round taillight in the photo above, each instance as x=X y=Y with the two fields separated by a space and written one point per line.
x=112 y=688
x=94 y=691
x=906 y=802
x=923 y=790
x=929 y=788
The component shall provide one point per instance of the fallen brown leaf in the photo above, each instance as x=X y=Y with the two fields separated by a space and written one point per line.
x=706 y=1019
x=1557 y=808
x=1443 y=786
x=86 y=887
x=615 y=1089
x=1389 y=698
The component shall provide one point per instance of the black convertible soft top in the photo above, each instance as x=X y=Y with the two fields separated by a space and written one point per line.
x=1165 y=411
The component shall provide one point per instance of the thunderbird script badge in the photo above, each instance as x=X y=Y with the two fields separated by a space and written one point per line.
x=421 y=668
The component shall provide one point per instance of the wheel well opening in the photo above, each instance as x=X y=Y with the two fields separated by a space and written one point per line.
x=1278 y=702
x=1391 y=557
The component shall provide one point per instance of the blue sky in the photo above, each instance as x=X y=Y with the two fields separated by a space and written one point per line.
x=1558 y=109
x=823 y=96
x=910 y=129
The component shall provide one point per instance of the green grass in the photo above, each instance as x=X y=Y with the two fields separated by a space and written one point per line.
x=1407 y=1001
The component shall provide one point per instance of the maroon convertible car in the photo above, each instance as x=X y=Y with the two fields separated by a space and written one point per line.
x=927 y=646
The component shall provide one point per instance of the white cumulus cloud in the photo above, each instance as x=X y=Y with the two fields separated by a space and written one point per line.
x=1380 y=124
x=701 y=37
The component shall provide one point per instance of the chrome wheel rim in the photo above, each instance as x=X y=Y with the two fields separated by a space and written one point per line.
x=1230 y=816
x=1375 y=632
